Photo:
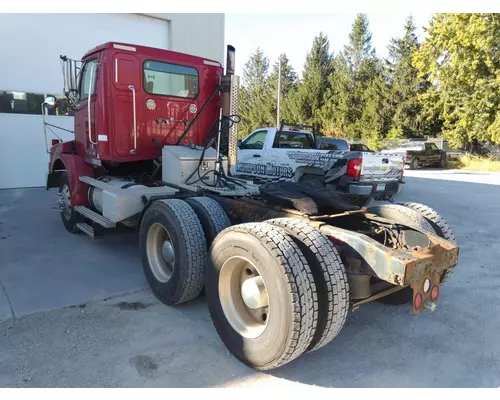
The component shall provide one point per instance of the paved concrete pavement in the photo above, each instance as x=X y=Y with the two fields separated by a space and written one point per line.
x=43 y=267
x=119 y=343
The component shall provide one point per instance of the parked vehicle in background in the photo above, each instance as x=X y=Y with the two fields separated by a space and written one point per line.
x=325 y=143
x=360 y=147
x=420 y=154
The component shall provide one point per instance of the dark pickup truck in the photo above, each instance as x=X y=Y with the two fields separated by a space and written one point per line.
x=421 y=154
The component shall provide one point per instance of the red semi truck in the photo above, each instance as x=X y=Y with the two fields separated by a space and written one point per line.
x=281 y=263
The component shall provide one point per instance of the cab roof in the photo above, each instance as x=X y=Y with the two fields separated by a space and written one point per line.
x=152 y=52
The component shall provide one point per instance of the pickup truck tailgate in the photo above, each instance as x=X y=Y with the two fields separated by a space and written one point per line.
x=381 y=167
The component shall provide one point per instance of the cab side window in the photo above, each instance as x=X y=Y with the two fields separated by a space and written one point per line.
x=255 y=141
x=89 y=71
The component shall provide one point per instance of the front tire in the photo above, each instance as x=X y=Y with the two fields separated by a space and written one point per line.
x=173 y=250
x=274 y=322
x=68 y=215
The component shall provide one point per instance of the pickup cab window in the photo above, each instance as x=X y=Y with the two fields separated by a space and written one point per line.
x=255 y=141
x=432 y=147
x=293 y=140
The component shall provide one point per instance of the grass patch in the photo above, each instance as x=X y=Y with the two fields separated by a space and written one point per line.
x=474 y=163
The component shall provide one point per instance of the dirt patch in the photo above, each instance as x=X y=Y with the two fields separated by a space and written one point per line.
x=145 y=365
x=132 y=306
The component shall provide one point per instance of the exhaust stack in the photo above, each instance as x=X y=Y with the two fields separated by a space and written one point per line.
x=229 y=103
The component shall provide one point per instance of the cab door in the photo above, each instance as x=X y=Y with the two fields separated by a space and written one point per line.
x=250 y=154
x=127 y=111
x=85 y=116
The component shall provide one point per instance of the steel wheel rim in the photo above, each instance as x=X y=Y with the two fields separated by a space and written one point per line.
x=66 y=201
x=160 y=252
x=248 y=322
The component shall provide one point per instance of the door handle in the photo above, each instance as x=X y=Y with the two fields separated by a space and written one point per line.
x=132 y=88
x=89 y=100
x=256 y=155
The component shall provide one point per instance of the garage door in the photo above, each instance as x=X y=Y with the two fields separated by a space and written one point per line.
x=24 y=81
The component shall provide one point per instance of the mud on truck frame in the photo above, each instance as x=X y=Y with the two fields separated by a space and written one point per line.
x=155 y=133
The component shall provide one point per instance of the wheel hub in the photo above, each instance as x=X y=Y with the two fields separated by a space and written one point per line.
x=168 y=251
x=160 y=252
x=243 y=296
x=254 y=293
x=64 y=201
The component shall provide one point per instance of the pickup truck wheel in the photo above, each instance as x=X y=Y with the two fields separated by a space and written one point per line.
x=414 y=163
x=442 y=161
x=409 y=217
x=261 y=295
x=439 y=224
x=329 y=277
x=173 y=250
x=69 y=216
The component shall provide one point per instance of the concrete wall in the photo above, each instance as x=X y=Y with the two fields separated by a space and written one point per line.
x=30 y=46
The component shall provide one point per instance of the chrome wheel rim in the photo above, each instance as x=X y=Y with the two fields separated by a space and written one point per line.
x=243 y=296
x=160 y=252
x=66 y=201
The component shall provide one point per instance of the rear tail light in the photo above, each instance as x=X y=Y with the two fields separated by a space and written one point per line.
x=354 y=167
x=435 y=293
x=55 y=141
x=417 y=302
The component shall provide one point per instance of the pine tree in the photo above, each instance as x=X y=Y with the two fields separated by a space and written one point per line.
x=406 y=86
x=254 y=94
x=288 y=84
x=357 y=89
x=309 y=97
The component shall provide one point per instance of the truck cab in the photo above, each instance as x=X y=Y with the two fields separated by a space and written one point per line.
x=129 y=102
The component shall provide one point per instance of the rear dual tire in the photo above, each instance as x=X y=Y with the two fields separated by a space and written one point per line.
x=287 y=323
x=306 y=292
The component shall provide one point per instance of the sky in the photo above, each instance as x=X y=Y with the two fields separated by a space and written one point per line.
x=293 y=34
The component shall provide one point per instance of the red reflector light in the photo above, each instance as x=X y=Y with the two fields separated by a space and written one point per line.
x=418 y=301
x=354 y=167
x=435 y=292
x=55 y=141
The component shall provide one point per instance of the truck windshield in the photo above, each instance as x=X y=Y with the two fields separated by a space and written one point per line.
x=293 y=140
x=173 y=80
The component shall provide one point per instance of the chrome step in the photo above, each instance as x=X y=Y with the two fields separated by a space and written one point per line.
x=88 y=230
x=97 y=218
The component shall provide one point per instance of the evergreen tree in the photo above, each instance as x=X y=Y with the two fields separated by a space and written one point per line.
x=288 y=85
x=309 y=97
x=254 y=94
x=406 y=86
x=461 y=55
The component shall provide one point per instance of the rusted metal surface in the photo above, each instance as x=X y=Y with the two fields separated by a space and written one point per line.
x=330 y=216
x=396 y=266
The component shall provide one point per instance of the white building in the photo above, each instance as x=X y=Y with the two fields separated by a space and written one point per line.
x=30 y=46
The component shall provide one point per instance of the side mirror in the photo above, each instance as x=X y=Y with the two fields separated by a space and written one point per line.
x=50 y=102
x=239 y=143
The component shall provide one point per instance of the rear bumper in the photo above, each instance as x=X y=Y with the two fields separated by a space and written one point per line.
x=374 y=188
